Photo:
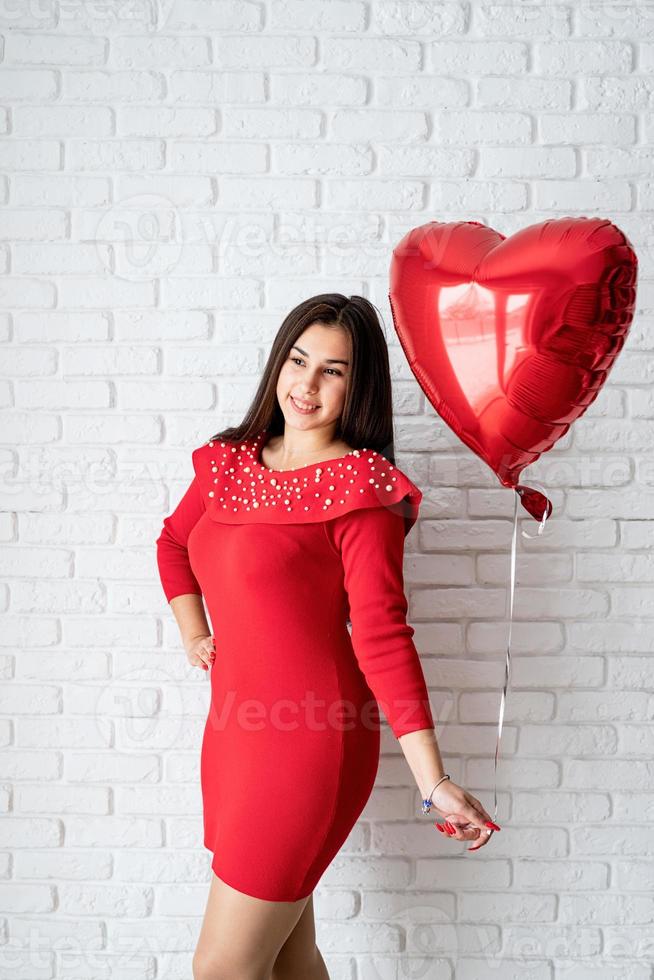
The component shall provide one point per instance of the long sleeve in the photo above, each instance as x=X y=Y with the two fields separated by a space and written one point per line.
x=175 y=570
x=371 y=544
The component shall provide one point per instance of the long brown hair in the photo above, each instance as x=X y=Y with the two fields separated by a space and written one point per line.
x=366 y=421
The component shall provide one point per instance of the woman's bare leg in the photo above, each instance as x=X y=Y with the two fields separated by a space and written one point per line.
x=299 y=958
x=241 y=936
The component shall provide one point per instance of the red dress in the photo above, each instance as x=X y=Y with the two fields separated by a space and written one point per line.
x=284 y=559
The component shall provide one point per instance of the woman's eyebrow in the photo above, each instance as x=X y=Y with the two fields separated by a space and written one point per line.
x=328 y=360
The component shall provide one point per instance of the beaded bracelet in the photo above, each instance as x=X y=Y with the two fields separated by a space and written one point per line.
x=427 y=804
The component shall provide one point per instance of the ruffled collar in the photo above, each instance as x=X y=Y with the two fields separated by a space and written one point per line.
x=238 y=488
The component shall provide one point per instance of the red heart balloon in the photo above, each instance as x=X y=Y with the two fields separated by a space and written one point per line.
x=511 y=339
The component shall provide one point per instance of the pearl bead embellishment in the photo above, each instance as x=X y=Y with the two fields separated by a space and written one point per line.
x=243 y=483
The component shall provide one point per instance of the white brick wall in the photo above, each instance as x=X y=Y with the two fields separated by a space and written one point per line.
x=174 y=177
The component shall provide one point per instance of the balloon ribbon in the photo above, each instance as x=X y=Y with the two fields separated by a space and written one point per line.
x=535 y=503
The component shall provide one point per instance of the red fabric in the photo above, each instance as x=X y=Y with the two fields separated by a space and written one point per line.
x=370 y=544
x=238 y=487
x=291 y=744
x=175 y=572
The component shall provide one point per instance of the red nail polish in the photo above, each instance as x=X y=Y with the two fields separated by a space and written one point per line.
x=493 y=826
x=440 y=827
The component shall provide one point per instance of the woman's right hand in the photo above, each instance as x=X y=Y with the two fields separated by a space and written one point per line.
x=464 y=814
x=201 y=651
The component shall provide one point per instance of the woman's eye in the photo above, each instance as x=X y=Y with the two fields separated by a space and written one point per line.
x=296 y=359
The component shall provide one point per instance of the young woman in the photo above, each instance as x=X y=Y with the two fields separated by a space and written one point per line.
x=293 y=528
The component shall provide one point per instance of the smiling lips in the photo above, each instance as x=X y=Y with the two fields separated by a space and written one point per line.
x=305 y=408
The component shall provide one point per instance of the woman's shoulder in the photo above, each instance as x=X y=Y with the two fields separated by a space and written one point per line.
x=239 y=488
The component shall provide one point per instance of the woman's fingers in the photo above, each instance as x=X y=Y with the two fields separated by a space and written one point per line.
x=457 y=827
x=469 y=821
x=476 y=813
x=467 y=825
x=465 y=833
x=474 y=833
x=486 y=825
x=484 y=839
x=208 y=653
x=203 y=653
x=477 y=806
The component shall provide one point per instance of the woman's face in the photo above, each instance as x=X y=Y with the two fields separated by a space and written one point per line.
x=316 y=371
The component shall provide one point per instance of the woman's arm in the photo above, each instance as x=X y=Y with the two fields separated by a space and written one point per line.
x=181 y=588
x=175 y=572
x=191 y=618
x=423 y=756
x=371 y=545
